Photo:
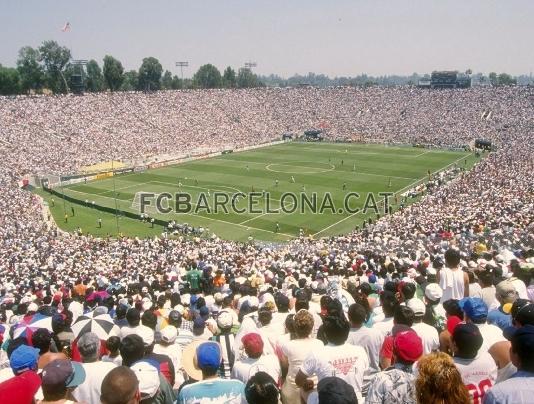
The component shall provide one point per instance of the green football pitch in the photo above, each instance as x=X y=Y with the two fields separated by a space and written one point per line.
x=336 y=169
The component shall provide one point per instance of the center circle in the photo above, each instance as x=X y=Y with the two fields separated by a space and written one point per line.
x=300 y=167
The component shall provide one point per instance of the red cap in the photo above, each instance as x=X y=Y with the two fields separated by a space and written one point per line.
x=408 y=346
x=253 y=344
x=452 y=322
x=20 y=389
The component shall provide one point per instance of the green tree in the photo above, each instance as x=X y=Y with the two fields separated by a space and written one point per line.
x=95 y=79
x=150 y=74
x=131 y=81
x=207 y=76
x=30 y=71
x=113 y=73
x=166 y=80
x=176 y=83
x=229 y=78
x=55 y=59
x=505 y=79
x=493 y=79
x=9 y=81
x=247 y=79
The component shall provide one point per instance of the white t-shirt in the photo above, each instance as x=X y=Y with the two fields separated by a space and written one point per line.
x=174 y=352
x=89 y=390
x=478 y=374
x=138 y=330
x=429 y=335
x=490 y=334
x=371 y=340
x=452 y=283
x=348 y=362
x=297 y=351
x=385 y=326
x=245 y=368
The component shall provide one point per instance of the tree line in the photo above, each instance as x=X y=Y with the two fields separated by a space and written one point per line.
x=50 y=68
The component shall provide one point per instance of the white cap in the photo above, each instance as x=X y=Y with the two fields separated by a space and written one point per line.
x=417 y=306
x=148 y=378
x=169 y=334
x=33 y=307
x=147 y=334
x=433 y=292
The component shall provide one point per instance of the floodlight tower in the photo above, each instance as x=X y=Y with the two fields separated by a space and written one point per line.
x=182 y=65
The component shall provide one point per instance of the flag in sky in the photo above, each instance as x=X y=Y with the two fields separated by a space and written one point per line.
x=66 y=27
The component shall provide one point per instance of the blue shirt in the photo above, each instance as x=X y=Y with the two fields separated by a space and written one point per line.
x=213 y=391
x=499 y=318
x=519 y=389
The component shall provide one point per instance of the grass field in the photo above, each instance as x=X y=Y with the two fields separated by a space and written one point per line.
x=316 y=167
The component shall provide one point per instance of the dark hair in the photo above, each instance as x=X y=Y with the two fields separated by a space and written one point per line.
x=485 y=277
x=452 y=308
x=54 y=392
x=265 y=317
x=132 y=349
x=41 y=339
x=262 y=389
x=523 y=349
x=408 y=290
x=357 y=314
x=133 y=317
x=336 y=329
x=119 y=386
x=290 y=326
x=301 y=303
x=120 y=311
x=113 y=343
x=389 y=303
x=452 y=257
x=149 y=319
x=403 y=315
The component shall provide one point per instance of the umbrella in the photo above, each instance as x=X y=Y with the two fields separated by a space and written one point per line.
x=101 y=325
x=26 y=327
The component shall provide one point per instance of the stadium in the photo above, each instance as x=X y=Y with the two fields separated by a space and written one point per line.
x=251 y=242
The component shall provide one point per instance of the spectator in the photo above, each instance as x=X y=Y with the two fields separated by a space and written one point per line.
x=452 y=280
x=120 y=386
x=41 y=339
x=506 y=295
x=59 y=378
x=262 y=389
x=23 y=386
x=112 y=345
x=428 y=334
x=226 y=339
x=255 y=361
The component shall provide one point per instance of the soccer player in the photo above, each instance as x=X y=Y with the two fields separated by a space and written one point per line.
x=248 y=168
x=277 y=227
x=72 y=210
x=292 y=179
x=341 y=162
x=99 y=223
x=354 y=167
x=389 y=182
x=303 y=188
x=344 y=186
x=275 y=183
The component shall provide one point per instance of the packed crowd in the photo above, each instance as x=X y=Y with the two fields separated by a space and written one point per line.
x=430 y=304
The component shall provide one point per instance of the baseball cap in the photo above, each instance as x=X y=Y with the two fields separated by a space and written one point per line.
x=253 y=344
x=417 y=306
x=523 y=340
x=32 y=307
x=199 y=323
x=525 y=314
x=225 y=320
x=333 y=390
x=24 y=358
x=408 y=346
x=204 y=311
x=209 y=355
x=169 y=334
x=475 y=308
x=63 y=371
x=148 y=378
x=467 y=338
x=505 y=290
x=433 y=292
x=193 y=300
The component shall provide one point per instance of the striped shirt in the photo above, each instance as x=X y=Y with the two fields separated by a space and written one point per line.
x=227 y=342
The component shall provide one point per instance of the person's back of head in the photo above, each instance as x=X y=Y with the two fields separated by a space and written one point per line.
x=131 y=349
x=357 y=314
x=467 y=340
x=113 y=344
x=333 y=390
x=522 y=348
x=452 y=257
x=408 y=290
x=303 y=323
x=120 y=312
x=439 y=381
x=149 y=319
x=120 y=386
x=403 y=315
x=261 y=388
x=133 y=316
x=41 y=339
x=89 y=347
x=336 y=329
x=389 y=303
x=265 y=317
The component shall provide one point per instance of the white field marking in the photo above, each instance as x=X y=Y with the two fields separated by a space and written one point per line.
x=397 y=192
x=263 y=214
x=322 y=170
x=208 y=218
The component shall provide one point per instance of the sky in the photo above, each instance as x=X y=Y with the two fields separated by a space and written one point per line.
x=284 y=37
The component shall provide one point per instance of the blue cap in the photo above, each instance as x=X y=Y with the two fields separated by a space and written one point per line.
x=193 y=300
x=24 y=358
x=209 y=355
x=204 y=311
x=475 y=308
x=199 y=323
